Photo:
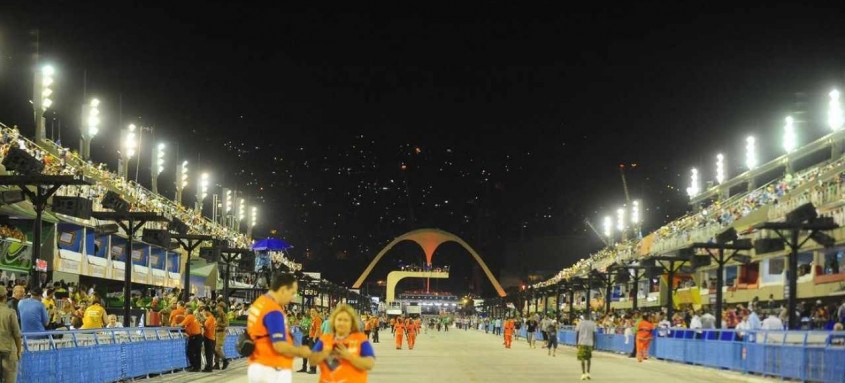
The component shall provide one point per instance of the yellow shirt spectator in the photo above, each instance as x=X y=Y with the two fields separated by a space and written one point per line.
x=94 y=317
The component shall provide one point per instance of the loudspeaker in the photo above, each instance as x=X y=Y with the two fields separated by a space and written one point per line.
x=9 y=197
x=744 y=259
x=210 y=254
x=106 y=229
x=803 y=213
x=686 y=269
x=113 y=201
x=623 y=276
x=686 y=253
x=743 y=243
x=768 y=245
x=73 y=206
x=177 y=226
x=700 y=261
x=21 y=162
x=648 y=263
x=156 y=237
x=726 y=236
x=653 y=272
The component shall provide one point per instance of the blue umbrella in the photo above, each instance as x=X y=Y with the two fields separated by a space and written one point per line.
x=271 y=244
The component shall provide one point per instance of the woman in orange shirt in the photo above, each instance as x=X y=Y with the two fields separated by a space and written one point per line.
x=399 y=330
x=344 y=354
x=644 y=333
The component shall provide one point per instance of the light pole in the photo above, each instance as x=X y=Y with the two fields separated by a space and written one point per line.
x=720 y=168
x=158 y=165
x=608 y=229
x=182 y=181
x=241 y=212
x=91 y=118
x=128 y=146
x=202 y=192
x=253 y=219
x=694 y=187
x=42 y=99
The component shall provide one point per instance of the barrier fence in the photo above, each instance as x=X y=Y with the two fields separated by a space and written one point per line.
x=107 y=355
x=812 y=356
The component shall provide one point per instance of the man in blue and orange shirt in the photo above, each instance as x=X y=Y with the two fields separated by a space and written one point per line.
x=272 y=359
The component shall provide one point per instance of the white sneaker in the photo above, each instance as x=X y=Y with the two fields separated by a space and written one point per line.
x=583 y=376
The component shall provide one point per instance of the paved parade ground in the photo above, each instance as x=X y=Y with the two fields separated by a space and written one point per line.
x=473 y=356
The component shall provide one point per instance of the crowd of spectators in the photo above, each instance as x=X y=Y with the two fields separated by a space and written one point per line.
x=62 y=161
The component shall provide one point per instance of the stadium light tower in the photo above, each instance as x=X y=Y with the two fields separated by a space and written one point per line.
x=720 y=168
x=790 y=142
x=253 y=216
x=635 y=212
x=158 y=165
x=128 y=147
x=91 y=119
x=42 y=99
x=835 y=118
x=694 y=187
x=620 y=219
x=750 y=153
x=202 y=191
x=182 y=180
x=608 y=228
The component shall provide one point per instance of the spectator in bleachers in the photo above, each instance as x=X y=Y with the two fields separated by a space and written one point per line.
x=34 y=316
x=18 y=293
x=112 y=322
x=95 y=315
x=11 y=344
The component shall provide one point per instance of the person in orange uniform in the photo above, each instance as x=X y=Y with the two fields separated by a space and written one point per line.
x=313 y=334
x=411 y=329
x=194 y=332
x=272 y=359
x=418 y=325
x=344 y=354
x=374 y=327
x=178 y=314
x=644 y=330
x=210 y=338
x=509 y=329
x=399 y=330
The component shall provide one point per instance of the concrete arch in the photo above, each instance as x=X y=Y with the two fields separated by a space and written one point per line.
x=429 y=240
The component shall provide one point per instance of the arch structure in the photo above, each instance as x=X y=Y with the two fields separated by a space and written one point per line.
x=429 y=240
x=394 y=277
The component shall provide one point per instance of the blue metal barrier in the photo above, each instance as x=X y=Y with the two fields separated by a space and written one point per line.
x=107 y=355
x=801 y=355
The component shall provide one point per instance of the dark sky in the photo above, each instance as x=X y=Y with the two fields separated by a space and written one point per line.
x=521 y=114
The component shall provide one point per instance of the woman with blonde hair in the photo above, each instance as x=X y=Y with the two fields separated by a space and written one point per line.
x=343 y=354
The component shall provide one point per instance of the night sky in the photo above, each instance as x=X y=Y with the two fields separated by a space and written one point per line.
x=351 y=125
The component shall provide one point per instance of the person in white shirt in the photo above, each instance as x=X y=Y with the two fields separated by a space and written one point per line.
x=772 y=323
x=741 y=327
x=754 y=321
x=695 y=322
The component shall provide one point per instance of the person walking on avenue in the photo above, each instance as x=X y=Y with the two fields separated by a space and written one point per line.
x=344 y=354
x=375 y=327
x=509 y=328
x=399 y=330
x=272 y=359
x=530 y=329
x=644 y=334
x=551 y=331
x=193 y=330
x=11 y=344
x=411 y=330
x=209 y=338
x=585 y=339
x=222 y=323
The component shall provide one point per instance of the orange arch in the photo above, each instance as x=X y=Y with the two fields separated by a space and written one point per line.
x=429 y=240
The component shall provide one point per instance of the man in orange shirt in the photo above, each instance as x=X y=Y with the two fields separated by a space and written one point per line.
x=178 y=314
x=194 y=348
x=374 y=324
x=209 y=327
x=411 y=329
x=272 y=359
x=399 y=330
x=509 y=328
x=314 y=333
